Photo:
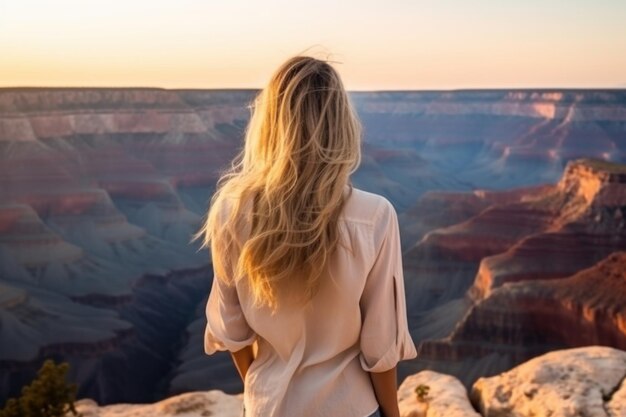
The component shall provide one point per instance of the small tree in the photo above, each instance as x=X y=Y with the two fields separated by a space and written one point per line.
x=422 y=392
x=49 y=395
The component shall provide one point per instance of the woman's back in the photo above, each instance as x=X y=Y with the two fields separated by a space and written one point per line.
x=314 y=359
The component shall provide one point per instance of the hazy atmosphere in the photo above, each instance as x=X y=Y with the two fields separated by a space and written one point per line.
x=496 y=130
x=380 y=45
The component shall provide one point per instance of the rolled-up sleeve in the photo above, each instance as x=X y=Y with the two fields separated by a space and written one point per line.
x=385 y=339
x=226 y=328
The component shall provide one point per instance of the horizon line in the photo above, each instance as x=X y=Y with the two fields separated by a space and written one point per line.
x=241 y=89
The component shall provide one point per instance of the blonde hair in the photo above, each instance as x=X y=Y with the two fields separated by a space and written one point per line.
x=301 y=145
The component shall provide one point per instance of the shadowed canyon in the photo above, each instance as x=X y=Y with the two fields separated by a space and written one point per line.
x=512 y=207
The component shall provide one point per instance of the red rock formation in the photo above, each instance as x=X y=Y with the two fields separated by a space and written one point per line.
x=555 y=287
x=586 y=308
x=591 y=198
x=101 y=187
x=442 y=266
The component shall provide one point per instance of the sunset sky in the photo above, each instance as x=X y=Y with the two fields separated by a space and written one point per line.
x=377 y=45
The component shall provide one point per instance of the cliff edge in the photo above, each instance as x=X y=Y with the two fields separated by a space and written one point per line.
x=586 y=381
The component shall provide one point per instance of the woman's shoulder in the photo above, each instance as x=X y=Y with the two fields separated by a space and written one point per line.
x=367 y=207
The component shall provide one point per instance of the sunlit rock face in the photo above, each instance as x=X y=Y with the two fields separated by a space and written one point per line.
x=558 y=283
x=101 y=188
x=211 y=403
x=586 y=381
x=591 y=201
x=520 y=320
x=585 y=308
x=445 y=397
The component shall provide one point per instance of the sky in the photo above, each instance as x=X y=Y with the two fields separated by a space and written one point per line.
x=374 y=44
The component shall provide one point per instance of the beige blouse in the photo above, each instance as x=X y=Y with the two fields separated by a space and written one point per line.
x=313 y=361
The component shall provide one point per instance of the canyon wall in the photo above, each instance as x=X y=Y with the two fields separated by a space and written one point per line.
x=101 y=188
x=546 y=272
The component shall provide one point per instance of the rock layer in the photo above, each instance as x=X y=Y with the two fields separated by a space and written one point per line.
x=558 y=282
x=100 y=189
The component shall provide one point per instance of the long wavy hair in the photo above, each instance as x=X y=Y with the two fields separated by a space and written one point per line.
x=286 y=186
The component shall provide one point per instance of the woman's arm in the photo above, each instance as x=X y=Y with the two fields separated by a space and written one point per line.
x=242 y=359
x=386 y=390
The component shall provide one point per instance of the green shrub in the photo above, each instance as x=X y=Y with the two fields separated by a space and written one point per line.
x=49 y=395
x=422 y=392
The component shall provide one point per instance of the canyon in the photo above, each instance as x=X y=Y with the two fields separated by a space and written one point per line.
x=524 y=277
x=512 y=207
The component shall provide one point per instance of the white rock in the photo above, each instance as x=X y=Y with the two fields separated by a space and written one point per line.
x=588 y=381
x=192 y=404
x=572 y=382
x=616 y=407
x=447 y=397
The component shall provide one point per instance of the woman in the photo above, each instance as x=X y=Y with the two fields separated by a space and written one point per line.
x=308 y=292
